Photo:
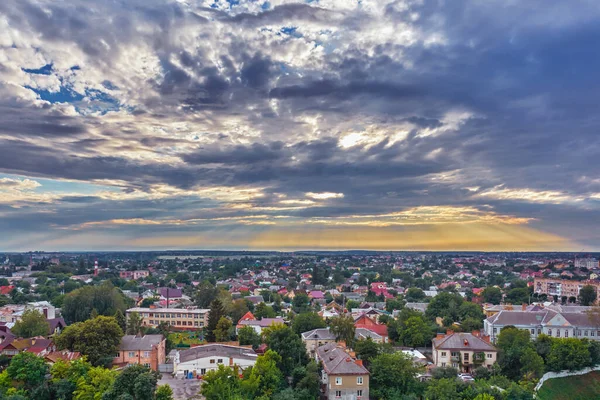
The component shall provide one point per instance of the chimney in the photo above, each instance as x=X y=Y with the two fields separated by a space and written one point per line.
x=449 y=332
x=466 y=342
x=476 y=333
x=359 y=362
x=348 y=359
x=230 y=361
x=486 y=338
x=523 y=307
x=440 y=336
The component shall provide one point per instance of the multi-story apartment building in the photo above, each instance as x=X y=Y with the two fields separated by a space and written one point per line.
x=343 y=377
x=562 y=288
x=135 y=275
x=177 y=318
x=464 y=351
x=589 y=263
x=545 y=321
x=148 y=350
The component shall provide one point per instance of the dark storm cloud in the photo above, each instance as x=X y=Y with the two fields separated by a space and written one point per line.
x=483 y=94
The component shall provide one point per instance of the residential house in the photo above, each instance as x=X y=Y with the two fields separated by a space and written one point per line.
x=364 y=321
x=199 y=360
x=148 y=350
x=258 y=325
x=343 y=376
x=464 y=351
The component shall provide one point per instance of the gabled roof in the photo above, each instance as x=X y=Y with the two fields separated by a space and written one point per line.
x=337 y=362
x=316 y=334
x=137 y=343
x=263 y=323
x=217 y=350
x=462 y=341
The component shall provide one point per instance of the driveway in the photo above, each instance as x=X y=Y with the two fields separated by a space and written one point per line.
x=183 y=389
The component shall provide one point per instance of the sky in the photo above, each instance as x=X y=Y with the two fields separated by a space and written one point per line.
x=285 y=125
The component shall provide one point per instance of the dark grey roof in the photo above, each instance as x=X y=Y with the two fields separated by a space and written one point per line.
x=134 y=343
x=337 y=362
x=217 y=350
x=462 y=341
x=316 y=334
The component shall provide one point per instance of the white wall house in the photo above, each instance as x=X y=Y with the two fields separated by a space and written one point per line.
x=201 y=359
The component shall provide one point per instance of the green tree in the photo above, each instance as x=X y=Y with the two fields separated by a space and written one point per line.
x=214 y=315
x=442 y=389
x=393 y=375
x=94 y=383
x=444 y=305
x=27 y=370
x=307 y=321
x=106 y=299
x=415 y=332
x=221 y=384
x=366 y=350
x=223 y=329
x=134 y=324
x=135 y=382
x=97 y=338
x=568 y=354
x=238 y=309
x=492 y=295
x=414 y=295
x=32 y=323
x=512 y=344
x=343 y=328
x=264 y=378
x=121 y=320
x=205 y=294
x=587 y=295
x=264 y=311
x=248 y=336
x=300 y=303
x=289 y=346
x=164 y=392
x=532 y=365
x=470 y=310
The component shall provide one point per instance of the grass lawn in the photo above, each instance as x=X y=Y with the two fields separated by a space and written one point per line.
x=581 y=387
x=186 y=337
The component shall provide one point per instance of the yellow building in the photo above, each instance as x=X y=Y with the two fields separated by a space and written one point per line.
x=177 y=318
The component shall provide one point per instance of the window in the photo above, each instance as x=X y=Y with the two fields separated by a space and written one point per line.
x=455 y=354
x=455 y=365
x=147 y=365
x=466 y=356
x=443 y=354
x=495 y=330
x=532 y=331
x=489 y=355
x=338 y=393
x=212 y=361
x=566 y=333
x=359 y=380
x=585 y=333
x=549 y=332
x=359 y=393
x=220 y=361
x=203 y=371
x=338 y=381
x=132 y=354
x=118 y=354
x=443 y=364
x=592 y=333
x=146 y=354
x=558 y=333
x=539 y=331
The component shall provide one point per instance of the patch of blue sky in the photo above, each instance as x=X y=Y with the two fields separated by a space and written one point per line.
x=63 y=186
x=291 y=31
x=45 y=70
x=64 y=95
x=266 y=5
x=99 y=101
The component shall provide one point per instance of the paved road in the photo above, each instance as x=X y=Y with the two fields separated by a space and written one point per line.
x=183 y=389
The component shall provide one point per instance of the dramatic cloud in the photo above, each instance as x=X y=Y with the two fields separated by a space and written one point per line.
x=288 y=124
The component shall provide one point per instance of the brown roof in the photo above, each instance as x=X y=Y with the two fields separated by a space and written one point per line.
x=462 y=341
x=337 y=362
x=136 y=343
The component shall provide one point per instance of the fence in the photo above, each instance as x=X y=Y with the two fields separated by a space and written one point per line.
x=564 y=374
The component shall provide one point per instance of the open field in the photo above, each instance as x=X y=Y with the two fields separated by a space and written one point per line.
x=580 y=387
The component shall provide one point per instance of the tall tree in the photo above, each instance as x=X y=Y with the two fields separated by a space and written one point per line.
x=205 y=294
x=587 y=295
x=135 y=382
x=223 y=330
x=265 y=378
x=27 y=370
x=343 y=328
x=221 y=384
x=97 y=338
x=307 y=321
x=121 y=320
x=134 y=324
x=288 y=345
x=32 y=323
x=393 y=376
x=513 y=344
x=248 y=336
x=366 y=350
x=415 y=332
x=568 y=354
x=94 y=383
x=105 y=299
x=214 y=315
x=492 y=295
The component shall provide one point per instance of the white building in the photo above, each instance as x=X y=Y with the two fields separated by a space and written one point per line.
x=201 y=359
x=589 y=263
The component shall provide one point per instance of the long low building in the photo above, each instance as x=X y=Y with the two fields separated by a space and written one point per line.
x=544 y=321
x=201 y=359
x=177 y=318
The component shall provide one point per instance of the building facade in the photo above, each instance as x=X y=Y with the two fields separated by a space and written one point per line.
x=548 y=322
x=135 y=275
x=464 y=351
x=147 y=350
x=589 y=263
x=562 y=287
x=343 y=377
x=197 y=361
x=177 y=318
